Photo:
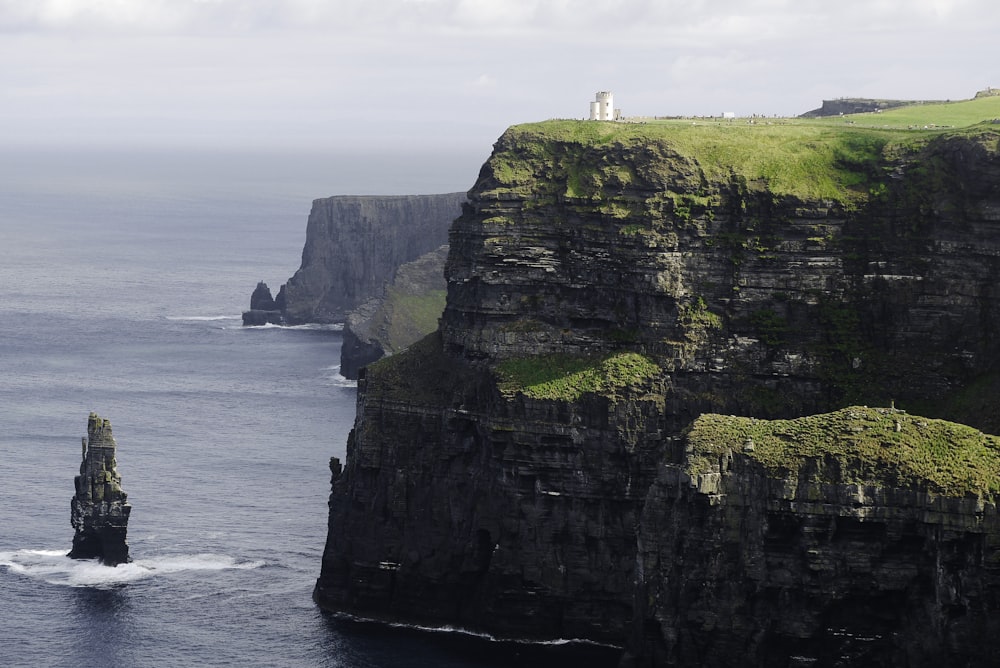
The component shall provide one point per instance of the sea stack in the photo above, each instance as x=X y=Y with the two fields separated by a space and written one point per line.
x=99 y=509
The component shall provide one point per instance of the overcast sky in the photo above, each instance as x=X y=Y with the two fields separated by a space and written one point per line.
x=455 y=73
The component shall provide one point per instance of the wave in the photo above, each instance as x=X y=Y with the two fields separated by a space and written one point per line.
x=311 y=326
x=336 y=378
x=458 y=630
x=201 y=318
x=54 y=567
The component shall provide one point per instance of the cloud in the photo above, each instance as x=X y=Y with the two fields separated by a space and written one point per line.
x=613 y=21
x=255 y=70
x=484 y=81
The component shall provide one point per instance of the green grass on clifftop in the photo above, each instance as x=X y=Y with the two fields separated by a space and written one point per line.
x=809 y=161
x=828 y=158
x=874 y=445
x=567 y=377
x=931 y=116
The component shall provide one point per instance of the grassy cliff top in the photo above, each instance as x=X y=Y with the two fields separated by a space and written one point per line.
x=879 y=446
x=828 y=158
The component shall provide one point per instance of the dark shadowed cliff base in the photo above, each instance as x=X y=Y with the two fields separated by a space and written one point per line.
x=529 y=471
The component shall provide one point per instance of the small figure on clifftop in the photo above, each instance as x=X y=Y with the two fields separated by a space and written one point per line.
x=99 y=509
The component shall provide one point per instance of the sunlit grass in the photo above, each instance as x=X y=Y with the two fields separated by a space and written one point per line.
x=827 y=158
x=874 y=446
x=568 y=377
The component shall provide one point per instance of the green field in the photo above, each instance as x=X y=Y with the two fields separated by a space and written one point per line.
x=926 y=116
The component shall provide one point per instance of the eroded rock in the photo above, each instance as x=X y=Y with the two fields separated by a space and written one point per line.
x=99 y=509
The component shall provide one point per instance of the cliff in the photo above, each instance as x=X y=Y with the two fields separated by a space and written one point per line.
x=99 y=508
x=607 y=285
x=406 y=311
x=354 y=245
x=864 y=537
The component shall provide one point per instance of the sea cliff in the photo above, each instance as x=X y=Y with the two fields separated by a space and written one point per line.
x=527 y=470
x=354 y=244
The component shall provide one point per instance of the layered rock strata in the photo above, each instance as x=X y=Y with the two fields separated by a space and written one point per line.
x=354 y=244
x=407 y=311
x=99 y=509
x=604 y=291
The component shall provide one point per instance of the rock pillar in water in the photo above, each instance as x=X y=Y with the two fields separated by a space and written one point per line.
x=99 y=509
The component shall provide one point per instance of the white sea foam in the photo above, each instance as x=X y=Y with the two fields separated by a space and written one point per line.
x=54 y=567
x=312 y=326
x=458 y=630
x=336 y=378
x=202 y=318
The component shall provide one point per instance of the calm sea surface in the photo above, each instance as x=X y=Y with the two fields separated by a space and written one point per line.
x=122 y=279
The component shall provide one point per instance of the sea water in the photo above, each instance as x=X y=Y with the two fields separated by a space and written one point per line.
x=122 y=279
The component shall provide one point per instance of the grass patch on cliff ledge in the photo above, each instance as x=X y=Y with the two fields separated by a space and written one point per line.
x=879 y=446
x=568 y=377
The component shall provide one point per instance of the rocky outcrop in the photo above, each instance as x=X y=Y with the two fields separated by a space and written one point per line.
x=264 y=309
x=354 y=244
x=608 y=284
x=406 y=311
x=99 y=509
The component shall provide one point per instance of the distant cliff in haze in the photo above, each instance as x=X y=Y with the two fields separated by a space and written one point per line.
x=354 y=244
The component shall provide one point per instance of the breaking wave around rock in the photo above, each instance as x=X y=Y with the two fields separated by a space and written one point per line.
x=332 y=374
x=54 y=567
x=201 y=318
x=312 y=326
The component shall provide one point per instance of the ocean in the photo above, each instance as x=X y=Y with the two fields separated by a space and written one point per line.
x=122 y=279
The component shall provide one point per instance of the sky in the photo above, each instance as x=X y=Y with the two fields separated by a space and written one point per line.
x=453 y=74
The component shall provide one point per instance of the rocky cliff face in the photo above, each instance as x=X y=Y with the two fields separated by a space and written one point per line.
x=406 y=311
x=756 y=551
x=354 y=245
x=507 y=474
x=99 y=508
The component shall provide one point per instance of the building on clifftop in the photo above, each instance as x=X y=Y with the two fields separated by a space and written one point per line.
x=603 y=107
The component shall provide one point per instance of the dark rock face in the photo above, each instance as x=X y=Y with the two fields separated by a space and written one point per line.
x=524 y=510
x=354 y=246
x=406 y=311
x=261 y=299
x=359 y=347
x=99 y=509
x=466 y=504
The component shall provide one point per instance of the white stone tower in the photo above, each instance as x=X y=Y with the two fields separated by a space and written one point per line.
x=603 y=108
